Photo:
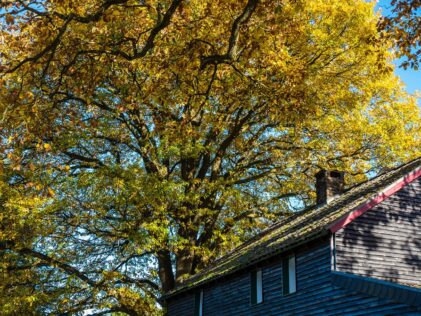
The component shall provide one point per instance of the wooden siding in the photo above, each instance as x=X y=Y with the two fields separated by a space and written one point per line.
x=182 y=305
x=315 y=294
x=385 y=242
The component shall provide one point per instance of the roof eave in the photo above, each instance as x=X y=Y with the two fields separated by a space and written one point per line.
x=318 y=234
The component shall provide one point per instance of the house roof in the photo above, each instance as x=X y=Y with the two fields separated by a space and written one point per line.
x=306 y=225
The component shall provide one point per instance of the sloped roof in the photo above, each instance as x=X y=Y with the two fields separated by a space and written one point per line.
x=299 y=228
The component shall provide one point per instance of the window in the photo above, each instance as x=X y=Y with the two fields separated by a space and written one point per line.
x=289 y=275
x=256 y=293
x=198 y=303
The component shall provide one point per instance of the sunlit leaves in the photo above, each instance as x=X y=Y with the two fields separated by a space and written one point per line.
x=402 y=25
x=162 y=134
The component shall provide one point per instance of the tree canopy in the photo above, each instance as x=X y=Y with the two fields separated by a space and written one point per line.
x=149 y=137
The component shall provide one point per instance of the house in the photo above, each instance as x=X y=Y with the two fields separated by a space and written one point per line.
x=354 y=253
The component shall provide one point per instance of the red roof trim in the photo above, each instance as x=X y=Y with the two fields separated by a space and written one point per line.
x=396 y=186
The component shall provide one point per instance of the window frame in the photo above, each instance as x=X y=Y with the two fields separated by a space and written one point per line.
x=198 y=303
x=289 y=275
x=256 y=286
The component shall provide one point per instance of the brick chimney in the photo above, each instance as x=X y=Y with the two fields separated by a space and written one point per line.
x=329 y=184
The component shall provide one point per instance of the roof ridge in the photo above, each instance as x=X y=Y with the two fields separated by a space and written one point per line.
x=267 y=230
x=393 y=169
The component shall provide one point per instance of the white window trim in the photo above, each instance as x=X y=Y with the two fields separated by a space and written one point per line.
x=259 y=286
x=292 y=276
x=201 y=303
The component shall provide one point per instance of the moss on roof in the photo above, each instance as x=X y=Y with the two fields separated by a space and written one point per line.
x=295 y=230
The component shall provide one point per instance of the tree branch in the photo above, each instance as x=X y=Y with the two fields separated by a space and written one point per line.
x=51 y=47
x=232 y=51
x=56 y=263
x=160 y=25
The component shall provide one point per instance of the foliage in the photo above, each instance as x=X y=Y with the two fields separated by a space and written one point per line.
x=160 y=134
x=20 y=223
x=403 y=26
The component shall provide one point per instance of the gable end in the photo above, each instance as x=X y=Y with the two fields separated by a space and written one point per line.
x=380 y=197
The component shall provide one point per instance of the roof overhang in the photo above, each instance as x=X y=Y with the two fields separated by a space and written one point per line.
x=374 y=287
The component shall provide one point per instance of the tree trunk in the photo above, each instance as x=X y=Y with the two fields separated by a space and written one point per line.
x=165 y=271
x=184 y=265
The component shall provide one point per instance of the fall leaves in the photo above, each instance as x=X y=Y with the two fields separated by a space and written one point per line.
x=157 y=135
x=402 y=25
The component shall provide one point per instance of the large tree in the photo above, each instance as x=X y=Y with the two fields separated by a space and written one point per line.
x=160 y=134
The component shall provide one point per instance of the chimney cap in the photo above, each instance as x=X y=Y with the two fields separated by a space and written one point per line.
x=330 y=173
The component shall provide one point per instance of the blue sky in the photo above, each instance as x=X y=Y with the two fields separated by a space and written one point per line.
x=412 y=80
